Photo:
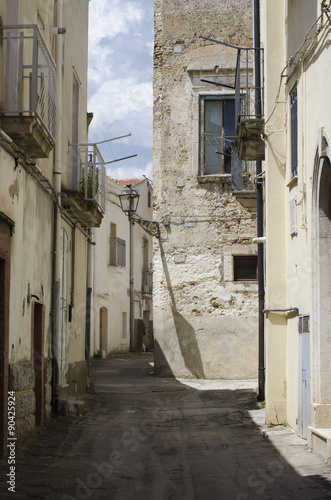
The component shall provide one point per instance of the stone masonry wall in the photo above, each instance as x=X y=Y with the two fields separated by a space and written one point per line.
x=205 y=322
x=22 y=382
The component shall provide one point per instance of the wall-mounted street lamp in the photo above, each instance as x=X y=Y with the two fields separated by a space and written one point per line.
x=129 y=199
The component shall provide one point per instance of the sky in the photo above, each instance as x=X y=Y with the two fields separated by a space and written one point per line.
x=120 y=78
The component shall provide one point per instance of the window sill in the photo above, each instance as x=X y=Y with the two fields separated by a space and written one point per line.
x=246 y=281
x=293 y=182
x=217 y=178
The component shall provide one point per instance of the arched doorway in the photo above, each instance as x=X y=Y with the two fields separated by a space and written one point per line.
x=321 y=278
x=103 y=329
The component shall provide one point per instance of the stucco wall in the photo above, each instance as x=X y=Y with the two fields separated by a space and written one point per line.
x=205 y=322
x=297 y=262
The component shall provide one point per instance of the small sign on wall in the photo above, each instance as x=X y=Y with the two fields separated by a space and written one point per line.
x=293 y=216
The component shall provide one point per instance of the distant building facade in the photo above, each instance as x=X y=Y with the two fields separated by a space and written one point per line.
x=205 y=263
x=112 y=274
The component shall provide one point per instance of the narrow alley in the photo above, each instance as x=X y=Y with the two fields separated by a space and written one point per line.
x=143 y=437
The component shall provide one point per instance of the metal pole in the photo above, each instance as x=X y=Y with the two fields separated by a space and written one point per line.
x=259 y=203
x=131 y=284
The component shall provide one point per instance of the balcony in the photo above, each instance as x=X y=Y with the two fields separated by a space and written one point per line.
x=85 y=195
x=29 y=104
x=147 y=282
x=249 y=107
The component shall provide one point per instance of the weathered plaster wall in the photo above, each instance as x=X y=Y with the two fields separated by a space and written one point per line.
x=205 y=322
x=23 y=199
x=31 y=210
x=111 y=283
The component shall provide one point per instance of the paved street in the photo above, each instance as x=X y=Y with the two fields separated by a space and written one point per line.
x=147 y=438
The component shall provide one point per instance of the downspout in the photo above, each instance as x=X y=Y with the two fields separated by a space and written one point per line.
x=89 y=283
x=73 y=265
x=56 y=331
x=259 y=202
x=55 y=297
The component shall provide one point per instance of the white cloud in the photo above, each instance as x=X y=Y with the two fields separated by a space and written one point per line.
x=120 y=78
x=108 y=18
x=116 y=98
x=126 y=171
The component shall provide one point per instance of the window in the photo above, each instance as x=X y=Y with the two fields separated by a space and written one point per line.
x=294 y=131
x=117 y=248
x=217 y=132
x=245 y=268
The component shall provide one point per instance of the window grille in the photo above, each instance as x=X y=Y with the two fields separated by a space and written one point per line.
x=304 y=323
x=245 y=267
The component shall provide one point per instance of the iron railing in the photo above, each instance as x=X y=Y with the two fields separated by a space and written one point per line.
x=88 y=172
x=249 y=105
x=30 y=77
x=243 y=173
x=249 y=98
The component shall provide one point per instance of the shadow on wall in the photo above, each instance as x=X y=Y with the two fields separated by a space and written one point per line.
x=185 y=334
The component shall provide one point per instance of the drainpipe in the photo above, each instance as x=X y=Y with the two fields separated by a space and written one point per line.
x=89 y=283
x=54 y=316
x=56 y=332
x=73 y=265
x=259 y=203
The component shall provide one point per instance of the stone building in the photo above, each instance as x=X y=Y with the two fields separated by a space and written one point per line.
x=51 y=195
x=111 y=287
x=205 y=263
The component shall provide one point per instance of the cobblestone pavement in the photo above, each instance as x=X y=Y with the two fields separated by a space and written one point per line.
x=147 y=438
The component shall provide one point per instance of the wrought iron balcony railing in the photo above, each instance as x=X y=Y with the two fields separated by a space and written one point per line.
x=249 y=104
x=249 y=97
x=88 y=173
x=249 y=119
x=30 y=102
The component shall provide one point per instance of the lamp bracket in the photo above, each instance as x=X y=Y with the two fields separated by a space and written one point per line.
x=150 y=226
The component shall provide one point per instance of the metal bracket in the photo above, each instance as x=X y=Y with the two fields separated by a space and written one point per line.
x=286 y=310
x=150 y=226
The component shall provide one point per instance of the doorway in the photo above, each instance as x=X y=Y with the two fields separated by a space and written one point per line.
x=324 y=275
x=5 y=234
x=103 y=329
x=304 y=376
x=38 y=327
x=321 y=282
